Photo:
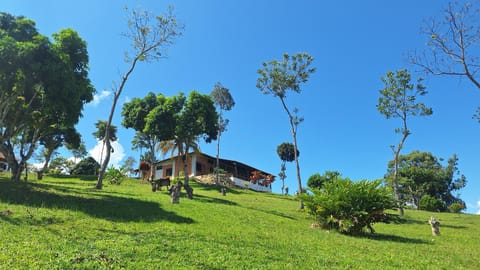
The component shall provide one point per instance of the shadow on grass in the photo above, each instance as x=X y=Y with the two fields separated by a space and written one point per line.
x=217 y=188
x=207 y=199
x=394 y=238
x=103 y=206
x=453 y=226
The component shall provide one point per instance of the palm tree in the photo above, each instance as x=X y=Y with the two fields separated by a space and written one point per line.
x=182 y=149
x=100 y=135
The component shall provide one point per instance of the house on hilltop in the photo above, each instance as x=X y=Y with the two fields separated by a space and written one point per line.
x=202 y=166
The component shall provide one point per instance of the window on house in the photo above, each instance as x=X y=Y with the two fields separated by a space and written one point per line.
x=169 y=172
x=159 y=167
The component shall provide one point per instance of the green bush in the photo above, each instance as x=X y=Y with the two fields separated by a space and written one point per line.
x=349 y=206
x=87 y=166
x=457 y=207
x=429 y=203
x=115 y=176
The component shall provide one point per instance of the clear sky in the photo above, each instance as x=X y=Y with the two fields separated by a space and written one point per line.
x=354 y=44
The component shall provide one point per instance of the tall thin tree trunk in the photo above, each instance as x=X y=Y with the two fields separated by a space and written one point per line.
x=105 y=162
x=294 y=135
x=297 y=165
x=217 y=175
x=396 y=190
x=116 y=95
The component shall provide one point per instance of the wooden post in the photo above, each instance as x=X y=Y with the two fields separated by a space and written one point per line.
x=435 y=224
x=175 y=192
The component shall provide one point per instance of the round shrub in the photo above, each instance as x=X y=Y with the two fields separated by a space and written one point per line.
x=87 y=166
x=429 y=203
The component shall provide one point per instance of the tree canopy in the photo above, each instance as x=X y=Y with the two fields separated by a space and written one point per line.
x=421 y=173
x=183 y=120
x=44 y=86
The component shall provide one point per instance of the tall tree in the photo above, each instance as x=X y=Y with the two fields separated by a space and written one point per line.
x=151 y=36
x=224 y=102
x=421 y=173
x=44 y=86
x=134 y=114
x=399 y=100
x=452 y=44
x=286 y=153
x=276 y=78
x=183 y=120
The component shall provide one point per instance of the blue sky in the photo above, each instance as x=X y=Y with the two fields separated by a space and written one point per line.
x=354 y=44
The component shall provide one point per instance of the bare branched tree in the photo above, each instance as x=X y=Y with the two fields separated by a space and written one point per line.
x=453 y=44
x=151 y=36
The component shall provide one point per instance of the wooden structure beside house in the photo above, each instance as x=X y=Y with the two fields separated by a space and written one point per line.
x=200 y=164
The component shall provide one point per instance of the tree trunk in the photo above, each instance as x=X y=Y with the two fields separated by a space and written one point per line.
x=153 y=169
x=217 y=176
x=175 y=192
x=116 y=95
x=45 y=165
x=396 y=191
x=294 y=135
x=105 y=162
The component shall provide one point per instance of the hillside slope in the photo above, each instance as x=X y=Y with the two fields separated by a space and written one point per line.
x=64 y=223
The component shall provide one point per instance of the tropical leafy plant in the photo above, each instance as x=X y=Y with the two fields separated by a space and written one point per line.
x=116 y=176
x=348 y=206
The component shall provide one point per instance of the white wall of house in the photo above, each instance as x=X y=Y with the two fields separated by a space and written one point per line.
x=247 y=184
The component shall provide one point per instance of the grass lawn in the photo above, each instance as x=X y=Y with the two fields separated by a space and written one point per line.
x=64 y=223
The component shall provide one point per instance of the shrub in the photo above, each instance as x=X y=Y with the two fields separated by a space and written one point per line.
x=349 y=206
x=457 y=207
x=115 y=176
x=87 y=166
x=429 y=203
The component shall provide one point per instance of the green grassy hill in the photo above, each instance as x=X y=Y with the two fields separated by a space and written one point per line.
x=64 y=223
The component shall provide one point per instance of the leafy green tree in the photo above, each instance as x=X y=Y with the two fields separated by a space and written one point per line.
x=316 y=181
x=421 y=173
x=286 y=152
x=78 y=152
x=87 y=166
x=60 y=165
x=350 y=206
x=151 y=36
x=134 y=114
x=44 y=86
x=223 y=100
x=276 y=78
x=183 y=120
x=399 y=100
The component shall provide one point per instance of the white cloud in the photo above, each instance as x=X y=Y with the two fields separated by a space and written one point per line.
x=115 y=157
x=99 y=97
x=478 y=204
